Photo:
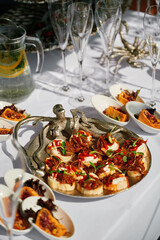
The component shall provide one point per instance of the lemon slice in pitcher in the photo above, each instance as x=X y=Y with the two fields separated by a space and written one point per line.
x=12 y=65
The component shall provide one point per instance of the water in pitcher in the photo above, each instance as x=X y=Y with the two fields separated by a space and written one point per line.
x=15 y=76
x=16 y=82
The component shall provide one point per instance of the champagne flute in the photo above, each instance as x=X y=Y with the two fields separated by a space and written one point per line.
x=152 y=34
x=108 y=18
x=9 y=199
x=58 y=17
x=80 y=23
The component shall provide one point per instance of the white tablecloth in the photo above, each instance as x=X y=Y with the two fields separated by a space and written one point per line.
x=132 y=214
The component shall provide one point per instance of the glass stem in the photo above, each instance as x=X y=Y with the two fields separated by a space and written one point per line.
x=65 y=86
x=138 y=15
x=80 y=97
x=107 y=72
x=153 y=90
x=9 y=231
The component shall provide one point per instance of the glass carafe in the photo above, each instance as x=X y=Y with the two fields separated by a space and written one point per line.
x=16 y=81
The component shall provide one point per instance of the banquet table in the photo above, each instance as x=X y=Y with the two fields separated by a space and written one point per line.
x=128 y=215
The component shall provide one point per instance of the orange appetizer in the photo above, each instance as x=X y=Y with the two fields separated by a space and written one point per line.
x=126 y=96
x=116 y=113
x=20 y=223
x=12 y=113
x=30 y=188
x=5 y=131
x=49 y=224
x=148 y=118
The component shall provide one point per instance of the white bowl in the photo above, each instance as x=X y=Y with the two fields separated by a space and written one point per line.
x=101 y=102
x=135 y=108
x=5 y=124
x=5 y=192
x=59 y=214
x=118 y=88
x=3 y=104
x=11 y=176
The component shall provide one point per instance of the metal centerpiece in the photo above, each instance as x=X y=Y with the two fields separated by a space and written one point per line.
x=130 y=52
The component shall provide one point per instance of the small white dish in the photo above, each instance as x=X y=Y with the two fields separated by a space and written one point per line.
x=59 y=214
x=5 y=124
x=101 y=102
x=135 y=108
x=3 y=104
x=118 y=88
x=11 y=176
x=5 y=192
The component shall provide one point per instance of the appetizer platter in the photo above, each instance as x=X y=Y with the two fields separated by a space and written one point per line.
x=85 y=157
x=11 y=113
x=21 y=226
x=147 y=118
x=110 y=110
x=123 y=94
x=6 y=130
x=48 y=218
x=32 y=185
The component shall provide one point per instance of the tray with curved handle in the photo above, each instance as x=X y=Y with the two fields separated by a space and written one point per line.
x=63 y=127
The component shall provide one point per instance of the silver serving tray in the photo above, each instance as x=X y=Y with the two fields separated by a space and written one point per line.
x=61 y=126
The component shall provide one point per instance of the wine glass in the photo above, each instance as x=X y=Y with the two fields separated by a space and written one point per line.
x=108 y=18
x=58 y=17
x=9 y=199
x=158 y=2
x=152 y=34
x=80 y=23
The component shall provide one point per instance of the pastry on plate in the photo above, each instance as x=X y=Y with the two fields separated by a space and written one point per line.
x=115 y=182
x=90 y=185
x=61 y=179
x=87 y=157
x=58 y=147
x=107 y=142
x=80 y=140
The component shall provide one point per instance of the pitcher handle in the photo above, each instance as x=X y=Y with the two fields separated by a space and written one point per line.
x=40 y=53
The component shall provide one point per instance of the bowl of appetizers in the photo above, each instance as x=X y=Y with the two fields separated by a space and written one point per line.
x=123 y=94
x=21 y=226
x=48 y=218
x=32 y=185
x=110 y=110
x=147 y=118
x=6 y=130
x=12 y=113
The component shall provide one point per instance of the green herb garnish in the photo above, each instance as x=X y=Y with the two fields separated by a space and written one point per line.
x=96 y=168
x=88 y=178
x=112 y=167
x=134 y=143
x=124 y=159
x=109 y=152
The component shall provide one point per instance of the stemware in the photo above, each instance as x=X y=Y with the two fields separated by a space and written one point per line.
x=108 y=17
x=80 y=23
x=152 y=34
x=58 y=17
x=9 y=199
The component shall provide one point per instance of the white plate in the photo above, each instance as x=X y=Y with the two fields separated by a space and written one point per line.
x=60 y=215
x=5 y=192
x=11 y=176
x=135 y=108
x=101 y=102
x=118 y=88
x=5 y=124
x=3 y=104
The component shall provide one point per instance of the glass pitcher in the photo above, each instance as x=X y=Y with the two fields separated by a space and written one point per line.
x=16 y=82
